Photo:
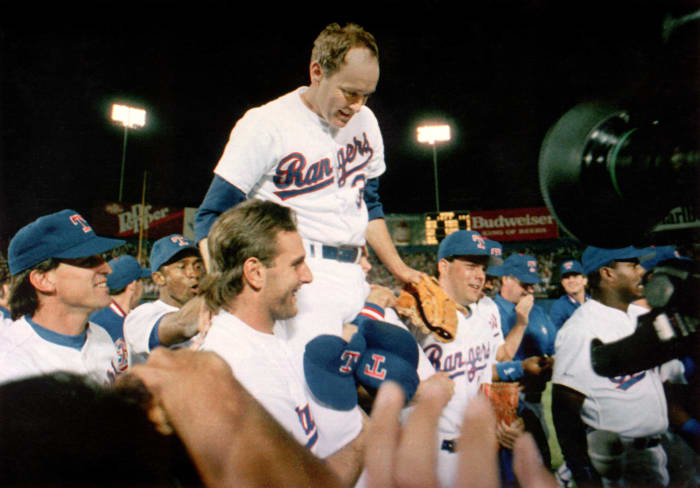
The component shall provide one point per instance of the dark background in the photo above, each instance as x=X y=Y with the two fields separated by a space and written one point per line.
x=500 y=72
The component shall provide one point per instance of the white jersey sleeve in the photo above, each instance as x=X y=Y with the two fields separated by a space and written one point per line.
x=138 y=326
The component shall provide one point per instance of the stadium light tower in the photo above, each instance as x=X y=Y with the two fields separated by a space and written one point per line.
x=432 y=134
x=130 y=118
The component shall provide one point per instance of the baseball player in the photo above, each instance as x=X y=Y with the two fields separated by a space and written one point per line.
x=608 y=427
x=318 y=150
x=125 y=290
x=257 y=269
x=574 y=283
x=469 y=359
x=59 y=279
x=176 y=268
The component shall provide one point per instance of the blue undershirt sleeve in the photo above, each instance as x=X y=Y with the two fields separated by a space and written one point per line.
x=221 y=196
x=371 y=197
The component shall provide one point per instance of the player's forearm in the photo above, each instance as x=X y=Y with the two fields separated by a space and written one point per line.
x=347 y=463
x=177 y=327
x=377 y=236
x=507 y=351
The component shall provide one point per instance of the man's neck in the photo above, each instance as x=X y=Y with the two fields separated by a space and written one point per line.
x=579 y=296
x=611 y=300
x=251 y=313
x=123 y=301
x=63 y=320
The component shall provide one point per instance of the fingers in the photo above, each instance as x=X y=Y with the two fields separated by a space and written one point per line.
x=416 y=460
x=478 y=447
x=382 y=444
x=528 y=466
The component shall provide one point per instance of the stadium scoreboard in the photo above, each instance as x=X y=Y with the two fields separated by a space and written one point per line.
x=438 y=225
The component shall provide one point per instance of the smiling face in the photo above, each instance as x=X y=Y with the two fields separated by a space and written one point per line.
x=285 y=276
x=463 y=278
x=340 y=95
x=82 y=283
x=573 y=283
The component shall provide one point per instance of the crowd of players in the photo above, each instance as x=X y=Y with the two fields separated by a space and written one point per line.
x=271 y=358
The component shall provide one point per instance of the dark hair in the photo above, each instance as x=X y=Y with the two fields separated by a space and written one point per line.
x=247 y=230
x=334 y=42
x=23 y=296
x=64 y=430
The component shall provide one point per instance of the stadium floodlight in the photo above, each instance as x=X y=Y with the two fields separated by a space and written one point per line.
x=432 y=134
x=130 y=118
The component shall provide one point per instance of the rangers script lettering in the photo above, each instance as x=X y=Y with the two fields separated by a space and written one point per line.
x=293 y=177
x=455 y=364
x=308 y=424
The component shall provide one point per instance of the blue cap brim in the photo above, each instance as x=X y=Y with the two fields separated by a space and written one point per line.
x=98 y=245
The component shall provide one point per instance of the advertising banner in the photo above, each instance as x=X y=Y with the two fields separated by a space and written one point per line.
x=519 y=224
x=125 y=220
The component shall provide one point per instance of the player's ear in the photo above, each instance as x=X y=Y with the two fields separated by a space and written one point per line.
x=315 y=73
x=254 y=272
x=43 y=281
x=158 y=278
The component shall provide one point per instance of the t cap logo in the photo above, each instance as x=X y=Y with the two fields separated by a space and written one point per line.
x=480 y=243
x=350 y=358
x=376 y=371
x=179 y=240
x=78 y=219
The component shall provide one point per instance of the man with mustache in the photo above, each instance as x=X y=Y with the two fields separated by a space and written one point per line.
x=58 y=279
x=176 y=267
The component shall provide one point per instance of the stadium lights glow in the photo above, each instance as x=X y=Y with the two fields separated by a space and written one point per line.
x=430 y=134
x=130 y=117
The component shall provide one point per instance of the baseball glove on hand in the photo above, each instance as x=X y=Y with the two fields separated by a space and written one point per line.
x=429 y=309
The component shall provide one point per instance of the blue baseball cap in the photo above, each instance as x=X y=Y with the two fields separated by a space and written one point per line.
x=522 y=266
x=463 y=243
x=63 y=235
x=377 y=352
x=655 y=255
x=391 y=355
x=570 y=267
x=329 y=367
x=166 y=247
x=125 y=269
x=495 y=251
x=594 y=258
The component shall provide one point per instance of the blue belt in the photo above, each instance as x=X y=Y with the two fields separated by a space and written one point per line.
x=344 y=254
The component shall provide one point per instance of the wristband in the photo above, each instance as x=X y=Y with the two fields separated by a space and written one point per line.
x=510 y=371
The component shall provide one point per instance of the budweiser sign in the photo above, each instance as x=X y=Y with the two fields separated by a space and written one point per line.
x=126 y=220
x=520 y=224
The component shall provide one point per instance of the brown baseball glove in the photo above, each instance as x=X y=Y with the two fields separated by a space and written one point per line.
x=429 y=309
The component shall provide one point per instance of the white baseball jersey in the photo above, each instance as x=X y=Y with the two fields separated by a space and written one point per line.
x=488 y=309
x=30 y=349
x=264 y=364
x=631 y=405
x=284 y=152
x=468 y=360
x=138 y=326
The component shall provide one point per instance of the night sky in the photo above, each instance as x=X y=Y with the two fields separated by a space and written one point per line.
x=500 y=72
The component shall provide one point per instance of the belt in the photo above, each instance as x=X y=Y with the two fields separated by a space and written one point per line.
x=643 y=442
x=344 y=254
x=449 y=445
